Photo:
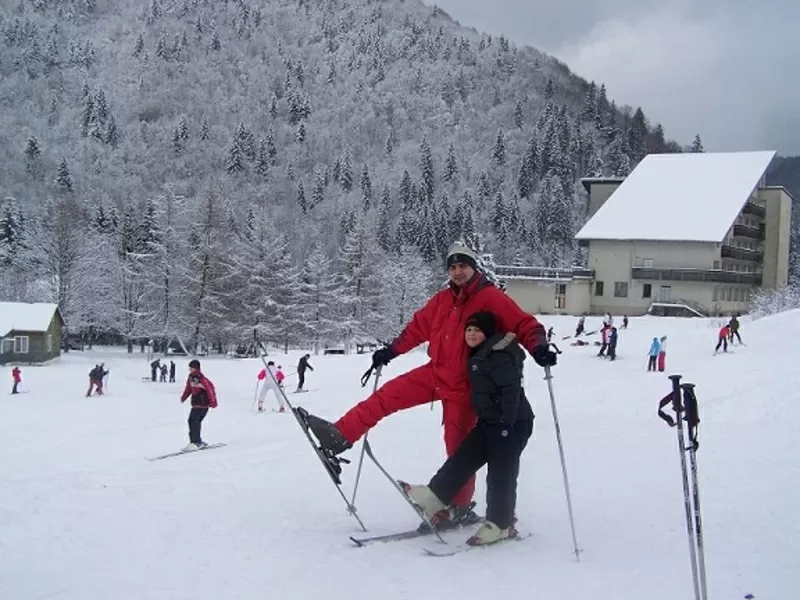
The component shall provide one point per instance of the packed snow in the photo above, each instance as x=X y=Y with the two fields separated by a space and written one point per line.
x=19 y=316
x=84 y=515
x=655 y=199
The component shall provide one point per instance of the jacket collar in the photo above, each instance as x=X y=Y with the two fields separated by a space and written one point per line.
x=462 y=294
x=499 y=341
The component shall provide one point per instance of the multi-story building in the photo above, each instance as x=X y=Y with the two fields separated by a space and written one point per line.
x=696 y=230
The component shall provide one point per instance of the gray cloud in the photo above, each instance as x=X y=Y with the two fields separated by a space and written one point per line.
x=726 y=69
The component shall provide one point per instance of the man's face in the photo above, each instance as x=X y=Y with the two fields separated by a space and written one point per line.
x=460 y=273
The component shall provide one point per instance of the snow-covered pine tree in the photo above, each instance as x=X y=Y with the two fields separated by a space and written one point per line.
x=317 y=301
x=697 y=145
x=406 y=285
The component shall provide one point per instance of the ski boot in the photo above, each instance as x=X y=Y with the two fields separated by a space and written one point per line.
x=489 y=533
x=452 y=518
x=329 y=444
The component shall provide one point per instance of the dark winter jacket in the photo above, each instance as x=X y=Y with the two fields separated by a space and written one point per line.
x=495 y=374
x=734 y=324
x=201 y=389
x=303 y=365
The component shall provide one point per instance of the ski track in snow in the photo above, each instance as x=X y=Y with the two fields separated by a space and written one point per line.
x=84 y=516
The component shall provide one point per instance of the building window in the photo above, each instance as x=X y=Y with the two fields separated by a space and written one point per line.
x=598 y=288
x=7 y=346
x=715 y=295
x=728 y=294
x=561 y=295
x=49 y=343
x=620 y=289
x=649 y=263
x=21 y=344
x=716 y=265
x=647 y=290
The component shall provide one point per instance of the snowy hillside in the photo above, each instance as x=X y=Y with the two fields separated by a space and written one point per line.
x=84 y=516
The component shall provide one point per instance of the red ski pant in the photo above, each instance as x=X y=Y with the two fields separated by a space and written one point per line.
x=418 y=386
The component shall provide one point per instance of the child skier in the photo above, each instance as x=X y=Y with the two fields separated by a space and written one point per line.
x=662 y=354
x=580 y=327
x=269 y=384
x=612 y=344
x=505 y=423
x=16 y=375
x=203 y=397
x=722 y=340
x=655 y=348
x=279 y=376
x=301 y=371
x=604 y=337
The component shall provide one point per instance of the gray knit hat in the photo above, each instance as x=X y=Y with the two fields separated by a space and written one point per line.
x=459 y=253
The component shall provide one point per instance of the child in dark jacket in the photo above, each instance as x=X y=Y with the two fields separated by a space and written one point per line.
x=203 y=397
x=505 y=423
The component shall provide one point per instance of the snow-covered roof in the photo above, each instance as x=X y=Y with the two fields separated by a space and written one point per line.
x=21 y=316
x=679 y=197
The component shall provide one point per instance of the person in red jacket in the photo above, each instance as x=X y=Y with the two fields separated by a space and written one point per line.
x=722 y=339
x=200 y=388
x=441 y=323
x=16 y=374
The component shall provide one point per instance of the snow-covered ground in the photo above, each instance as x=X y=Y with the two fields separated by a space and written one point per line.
x=84 y=516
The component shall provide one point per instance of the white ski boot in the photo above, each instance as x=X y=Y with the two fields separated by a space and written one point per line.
x=424 y=498
x=190 y=448
x=489 y=533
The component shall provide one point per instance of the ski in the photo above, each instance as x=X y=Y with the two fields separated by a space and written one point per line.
x=401 y=486
x=181 y=452
x=331 y=462
x=400 y=536
x=461 y=548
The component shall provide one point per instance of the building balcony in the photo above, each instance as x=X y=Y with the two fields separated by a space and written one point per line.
x=742 y=254
x=751 y=208
x=755 y=233
x=513 y=272
x=696 y=275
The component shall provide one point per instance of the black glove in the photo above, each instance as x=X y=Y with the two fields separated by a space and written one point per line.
x=544 y=357
x=383 y=357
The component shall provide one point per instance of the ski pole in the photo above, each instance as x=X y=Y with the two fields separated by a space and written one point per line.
x=255 y=394
x=676 y=406
x=364 y=444
x=692 y=419
x=549 y=378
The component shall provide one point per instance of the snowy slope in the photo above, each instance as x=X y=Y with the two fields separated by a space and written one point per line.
x=84 y=516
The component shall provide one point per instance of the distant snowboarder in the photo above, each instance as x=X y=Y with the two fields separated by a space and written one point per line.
x=154 y=367
x=16 y=375
x=624 y=321
x=269 y=384
x=655 y=348
x=200 y=388
x=301 y=371
x=172 y=371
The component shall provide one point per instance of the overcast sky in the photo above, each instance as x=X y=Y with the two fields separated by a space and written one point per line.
x=727 y=69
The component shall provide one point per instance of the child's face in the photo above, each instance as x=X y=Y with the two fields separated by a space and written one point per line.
x=192 y=370
x=473 y=336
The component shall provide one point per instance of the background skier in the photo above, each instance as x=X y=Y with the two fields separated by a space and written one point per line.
x=722 y=339
x=441 y=323
x=505 y=423
x=612 y=344
x=301 y=371
x=662 y=354
x=269 y=384
x=655 y=348
x=200 y=388
x=16 y=376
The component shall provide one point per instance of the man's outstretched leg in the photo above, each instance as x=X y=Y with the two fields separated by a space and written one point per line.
x=405 y=391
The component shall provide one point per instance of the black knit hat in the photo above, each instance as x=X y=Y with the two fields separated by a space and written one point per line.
x=459 y=253
x=194 y=364
x=485 y=321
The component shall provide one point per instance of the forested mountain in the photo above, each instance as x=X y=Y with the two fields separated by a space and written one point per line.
x=293 y=169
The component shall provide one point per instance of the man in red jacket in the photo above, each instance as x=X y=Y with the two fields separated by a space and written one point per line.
x=441 y=323
x=203 y=397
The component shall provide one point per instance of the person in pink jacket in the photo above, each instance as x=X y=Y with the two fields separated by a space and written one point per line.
x=268 y=383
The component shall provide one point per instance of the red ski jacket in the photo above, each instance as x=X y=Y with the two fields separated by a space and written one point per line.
x=442 y=321
x=16 y=374
x=201 y=390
